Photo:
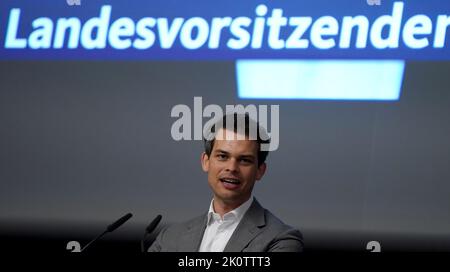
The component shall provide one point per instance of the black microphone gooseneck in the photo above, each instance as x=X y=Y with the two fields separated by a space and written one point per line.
x=110 y=228
x=150 y=228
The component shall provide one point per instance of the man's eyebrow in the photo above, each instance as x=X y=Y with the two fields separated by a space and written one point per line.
x=221 y=151
x=247 y=156
x=243 y=156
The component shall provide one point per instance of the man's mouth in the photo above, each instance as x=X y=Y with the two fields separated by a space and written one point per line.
x=230 y=183
x=230 y=180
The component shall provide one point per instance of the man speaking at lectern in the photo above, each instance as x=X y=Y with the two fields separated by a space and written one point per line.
x=235 y=221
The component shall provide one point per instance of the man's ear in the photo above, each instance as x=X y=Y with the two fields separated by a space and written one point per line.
x=205 y=162
x=261 y=170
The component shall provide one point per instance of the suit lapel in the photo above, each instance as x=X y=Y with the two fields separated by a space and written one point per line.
x=249 y=227
x=190 y=241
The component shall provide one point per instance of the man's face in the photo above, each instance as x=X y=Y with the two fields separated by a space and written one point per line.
x=232 y=168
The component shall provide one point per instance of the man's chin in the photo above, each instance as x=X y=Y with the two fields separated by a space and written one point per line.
x=232 y=198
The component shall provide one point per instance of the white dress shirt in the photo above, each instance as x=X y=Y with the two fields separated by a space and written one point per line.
x=219 y=230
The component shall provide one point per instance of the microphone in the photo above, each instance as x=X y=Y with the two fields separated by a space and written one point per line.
x=110 y=228
x=119 y=222
x=149 y=229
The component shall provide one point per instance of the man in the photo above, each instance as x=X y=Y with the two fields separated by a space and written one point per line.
x=235 y=221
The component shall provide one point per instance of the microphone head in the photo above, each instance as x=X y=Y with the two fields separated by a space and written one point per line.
x=152 y=226
x=119 y=222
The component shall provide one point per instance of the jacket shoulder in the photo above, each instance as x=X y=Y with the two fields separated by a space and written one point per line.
x=285 y=237
x=169 y=236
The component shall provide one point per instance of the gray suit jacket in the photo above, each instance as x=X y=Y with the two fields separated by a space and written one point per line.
x=258 y=231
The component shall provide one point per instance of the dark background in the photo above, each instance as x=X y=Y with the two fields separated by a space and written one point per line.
x=82 y=143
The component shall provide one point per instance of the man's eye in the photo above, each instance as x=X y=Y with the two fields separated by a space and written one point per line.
x=246 y=160
x=221 y=157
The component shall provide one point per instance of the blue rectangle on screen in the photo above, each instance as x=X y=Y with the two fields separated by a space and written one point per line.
x=377 y=80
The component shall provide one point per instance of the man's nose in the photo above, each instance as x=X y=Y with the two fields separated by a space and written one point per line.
x=232 y=165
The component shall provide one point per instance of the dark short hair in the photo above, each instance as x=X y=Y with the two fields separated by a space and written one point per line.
x=247 y=122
